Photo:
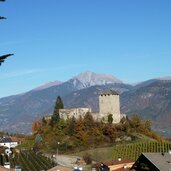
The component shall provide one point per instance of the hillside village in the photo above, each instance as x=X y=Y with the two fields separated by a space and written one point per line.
x=109 y=119
x=109 y=113
x=134 y=145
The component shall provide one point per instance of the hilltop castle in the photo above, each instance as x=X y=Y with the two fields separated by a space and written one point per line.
x=109 y=104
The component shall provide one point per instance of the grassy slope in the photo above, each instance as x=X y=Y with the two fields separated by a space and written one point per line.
x=99 y=154
x=107 y=153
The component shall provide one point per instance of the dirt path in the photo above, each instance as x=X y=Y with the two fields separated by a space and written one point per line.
x=66 y=160
x=69 y=161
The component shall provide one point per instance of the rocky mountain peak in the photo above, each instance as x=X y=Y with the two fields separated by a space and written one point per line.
x=89 y=78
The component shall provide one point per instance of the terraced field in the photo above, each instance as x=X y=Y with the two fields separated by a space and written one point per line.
x=28 y=160
x=133 y=150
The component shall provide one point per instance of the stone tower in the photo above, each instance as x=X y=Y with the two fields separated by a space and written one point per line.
x=109 y=103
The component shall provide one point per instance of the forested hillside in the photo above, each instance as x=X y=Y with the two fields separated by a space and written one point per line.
x=86 y=132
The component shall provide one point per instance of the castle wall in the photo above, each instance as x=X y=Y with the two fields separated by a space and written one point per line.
x=109 y=103
x=74 y=112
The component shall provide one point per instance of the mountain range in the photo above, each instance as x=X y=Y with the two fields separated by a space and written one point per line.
x=150 y=99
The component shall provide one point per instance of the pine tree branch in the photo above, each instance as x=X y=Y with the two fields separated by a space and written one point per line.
x=2 y=18
x=3 y=57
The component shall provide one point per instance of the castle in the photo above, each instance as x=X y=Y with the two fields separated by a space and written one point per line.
x=109 y=104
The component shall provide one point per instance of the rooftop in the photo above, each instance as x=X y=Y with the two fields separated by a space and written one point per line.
x=6 y=140
x=4 y=169
x=109 y=92
x=116 y=162
x=117 y=165
x=122 y=169
x=161 y=160
x=61 y=168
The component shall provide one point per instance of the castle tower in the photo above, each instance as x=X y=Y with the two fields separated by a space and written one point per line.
x=109 y=103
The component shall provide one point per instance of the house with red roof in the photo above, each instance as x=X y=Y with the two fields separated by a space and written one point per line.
x=116 y=165
x=4 y=169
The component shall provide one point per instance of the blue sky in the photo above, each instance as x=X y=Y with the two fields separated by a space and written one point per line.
x=58 y=39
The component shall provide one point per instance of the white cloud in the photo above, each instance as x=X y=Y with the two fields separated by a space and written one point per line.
x=21 y=73
x=17 y=73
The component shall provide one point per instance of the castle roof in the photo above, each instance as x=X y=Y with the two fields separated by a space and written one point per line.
x=109 y=92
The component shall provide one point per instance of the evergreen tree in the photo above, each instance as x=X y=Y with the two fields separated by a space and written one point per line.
x=58 y=105
x=110 y=118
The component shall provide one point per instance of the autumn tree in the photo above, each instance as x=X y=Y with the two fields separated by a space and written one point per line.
x=44 y=122
x=87 y=158
x=89 y=122
x=80 y=131
x=71 y=126
x=147 y=125
x=36 y=126
x=110 y=131
x=135 y=122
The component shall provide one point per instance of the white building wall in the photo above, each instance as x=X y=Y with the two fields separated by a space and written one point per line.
x=9 y=144
x=108 y=104
x=74 y=112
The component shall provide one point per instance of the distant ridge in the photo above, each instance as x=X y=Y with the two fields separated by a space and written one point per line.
x=84 y=80
x=147 y=82
x=151 y=99
x=164 y=78
x=47 y=85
